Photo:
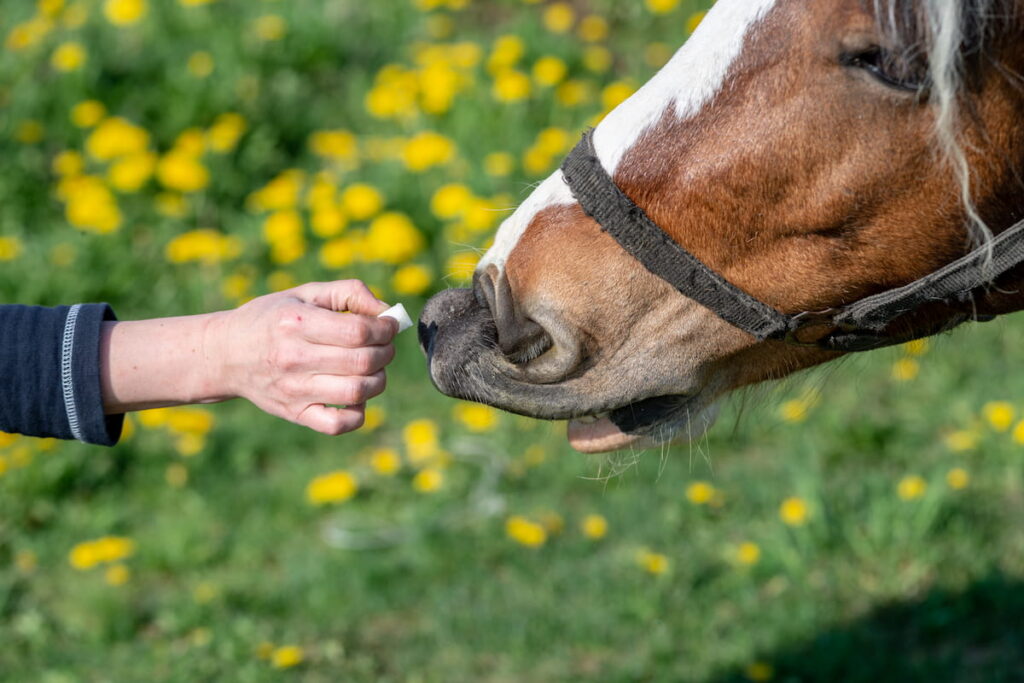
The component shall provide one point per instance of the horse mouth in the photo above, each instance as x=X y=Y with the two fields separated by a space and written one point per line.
x=642 y=424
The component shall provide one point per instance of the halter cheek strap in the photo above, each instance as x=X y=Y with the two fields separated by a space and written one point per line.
x=859 y=326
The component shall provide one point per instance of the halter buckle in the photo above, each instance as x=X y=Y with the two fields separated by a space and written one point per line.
x=810 y=328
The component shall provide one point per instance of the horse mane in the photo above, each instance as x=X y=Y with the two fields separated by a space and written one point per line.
x=950 y=43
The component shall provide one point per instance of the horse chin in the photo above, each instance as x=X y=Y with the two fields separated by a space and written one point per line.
x=662 y=423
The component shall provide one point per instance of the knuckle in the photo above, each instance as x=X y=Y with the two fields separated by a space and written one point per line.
x=362 y=362
x=358 y=331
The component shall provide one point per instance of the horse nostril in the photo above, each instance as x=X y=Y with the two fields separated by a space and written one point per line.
x=518 y=336
x=427 y=333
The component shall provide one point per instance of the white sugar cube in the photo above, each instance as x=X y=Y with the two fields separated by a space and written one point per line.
x=399 y=315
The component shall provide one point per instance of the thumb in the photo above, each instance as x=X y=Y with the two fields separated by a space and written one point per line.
x=342 y=295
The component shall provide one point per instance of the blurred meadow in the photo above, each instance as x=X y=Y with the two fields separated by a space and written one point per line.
x=862 y=522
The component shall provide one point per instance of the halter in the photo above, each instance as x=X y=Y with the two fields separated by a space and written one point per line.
x=859 y=326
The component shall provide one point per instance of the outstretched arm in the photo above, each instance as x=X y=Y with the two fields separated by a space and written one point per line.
x=295 y=354
x=71 y=372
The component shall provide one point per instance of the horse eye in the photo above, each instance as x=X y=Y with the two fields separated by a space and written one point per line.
x=892 y=72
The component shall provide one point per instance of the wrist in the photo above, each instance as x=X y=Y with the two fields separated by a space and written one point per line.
x=212 y=380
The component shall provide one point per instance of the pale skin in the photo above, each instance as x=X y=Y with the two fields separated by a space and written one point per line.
x=312 y=355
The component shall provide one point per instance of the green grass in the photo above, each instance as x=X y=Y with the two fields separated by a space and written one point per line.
x=872 y=587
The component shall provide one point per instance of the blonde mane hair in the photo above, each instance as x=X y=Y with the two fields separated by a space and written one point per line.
x=948 y=41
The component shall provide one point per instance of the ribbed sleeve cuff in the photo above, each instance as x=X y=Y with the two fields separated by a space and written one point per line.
x=80 y=376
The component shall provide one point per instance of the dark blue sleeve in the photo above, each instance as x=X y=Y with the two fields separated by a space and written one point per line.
x=50 y=373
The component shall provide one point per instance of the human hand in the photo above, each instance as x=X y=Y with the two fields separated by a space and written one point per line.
x=299 y=353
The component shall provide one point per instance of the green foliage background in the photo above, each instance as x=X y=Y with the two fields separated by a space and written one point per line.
x=397 y=585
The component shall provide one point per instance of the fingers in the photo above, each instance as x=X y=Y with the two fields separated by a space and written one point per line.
x=333 y=421
x=343 y=295
x=345 y=391
x=321 y=326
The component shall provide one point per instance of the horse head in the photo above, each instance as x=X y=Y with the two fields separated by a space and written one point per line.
x=811 y=154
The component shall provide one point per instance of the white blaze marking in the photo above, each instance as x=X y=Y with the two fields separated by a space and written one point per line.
x=689 y=81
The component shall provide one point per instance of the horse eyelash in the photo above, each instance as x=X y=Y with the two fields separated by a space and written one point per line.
x=878 y=62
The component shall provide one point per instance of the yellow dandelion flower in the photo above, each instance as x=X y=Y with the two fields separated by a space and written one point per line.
x=918 y=347
x=195 y=3
x=653 y=563
x=337 y=253
x=476 y=417
x=759 y=672
x=83 y=556
x=29 y=132
x=428 y=480
x=499 y=164
x=694 y=21
x=361 y=201
x=657 y=55
x=535 y=455
x=176 y=475
x=661 y=6
x=117 y=575
x=461 y=266
x=124 y=12
x=69 y=56
x=10 y=248
x=422 y=441
x=153 y=419
x=748 y=553
x=958 y=478
x=966 y=440
x=511 y=85
x=116 y=137
x=549 y=71
x=113 y=548
x=337 y=145
x=525 y=532
x=615 y=94
x=385 y=461
x=700 y=492
x=794 y=511
x=182 y=172
x=170 y=204
x=335 y=487
x=794 y=410
x=559 y=17
x=374 y=418
x=999 y=414
x=27 y=34
x=593 y=28
x=451 y=201
x=597 y=58
x=88 y=113
x=75 y=15
x=392 y=238
x=270 y=27
x=411 y=280
x=280 y=280
x=68 y=163
x=200 y=246
x=905 y=369
x=287 y=656
x=189 y=445
x=426 y=150
x=200 y=64
x=594 y=526
x=130 y=173
x=49 y=8
x=506 y=52
x=26 y=561
x=911 y=487
x=573 y=93
x=226 y=131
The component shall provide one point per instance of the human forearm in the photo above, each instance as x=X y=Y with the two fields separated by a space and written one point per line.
x=163 y=362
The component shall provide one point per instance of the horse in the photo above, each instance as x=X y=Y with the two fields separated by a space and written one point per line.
x=796 y=171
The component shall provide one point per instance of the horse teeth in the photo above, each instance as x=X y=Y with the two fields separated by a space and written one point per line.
x=591 y=419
